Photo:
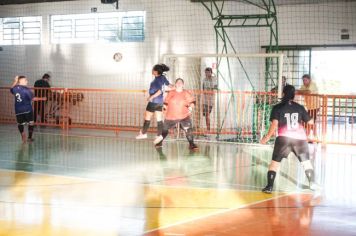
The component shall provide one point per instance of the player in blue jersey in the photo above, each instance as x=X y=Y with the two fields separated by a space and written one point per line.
x=23 y=106
x=155 y=100
x=288 y=116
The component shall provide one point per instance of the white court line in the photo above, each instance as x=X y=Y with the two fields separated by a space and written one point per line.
x=217 y=213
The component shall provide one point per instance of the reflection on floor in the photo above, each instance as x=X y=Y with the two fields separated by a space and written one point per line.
x=90 y=185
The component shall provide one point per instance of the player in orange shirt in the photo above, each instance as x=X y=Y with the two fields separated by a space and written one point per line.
x=179 y=104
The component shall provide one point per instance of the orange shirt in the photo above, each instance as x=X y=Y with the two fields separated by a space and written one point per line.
x=177 y=104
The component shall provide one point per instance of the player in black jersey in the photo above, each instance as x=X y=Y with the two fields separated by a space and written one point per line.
x=288 y=116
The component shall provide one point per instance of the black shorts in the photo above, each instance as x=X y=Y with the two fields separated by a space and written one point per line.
x=207 y=109
x=185 y=123
x=284 y=146
x=24 y=118
x=152 y=107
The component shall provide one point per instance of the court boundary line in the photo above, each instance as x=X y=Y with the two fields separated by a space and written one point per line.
x=217 y=213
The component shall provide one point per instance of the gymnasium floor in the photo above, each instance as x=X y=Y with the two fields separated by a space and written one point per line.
x=94 y=183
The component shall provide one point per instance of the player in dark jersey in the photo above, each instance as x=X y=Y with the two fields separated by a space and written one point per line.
x=41 y=90
x=23 y=106
x=288 y=116
x=155 y=100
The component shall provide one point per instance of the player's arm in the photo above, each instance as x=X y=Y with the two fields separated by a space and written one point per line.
x=271 y=132
x=191 y=101
x=166 y=101
x=16 y=81
x=153 y=96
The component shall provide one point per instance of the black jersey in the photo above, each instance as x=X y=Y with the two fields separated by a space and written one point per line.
x=290 y=118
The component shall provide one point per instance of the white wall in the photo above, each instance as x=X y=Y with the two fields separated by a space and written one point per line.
x=172 y=26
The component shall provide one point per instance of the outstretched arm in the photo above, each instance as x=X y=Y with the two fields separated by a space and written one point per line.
x=16 y=81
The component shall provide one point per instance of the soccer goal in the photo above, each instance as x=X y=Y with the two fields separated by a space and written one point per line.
x=236 y=104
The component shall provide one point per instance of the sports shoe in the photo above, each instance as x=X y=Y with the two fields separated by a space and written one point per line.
x=314 y=186
x=30 y=140
x=267 y=189
x=193 y=146
x=158 y=139
x=141 y=136
x=159 y=145
x=23 y=137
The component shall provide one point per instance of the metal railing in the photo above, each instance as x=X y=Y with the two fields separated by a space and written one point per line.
x=240 y=116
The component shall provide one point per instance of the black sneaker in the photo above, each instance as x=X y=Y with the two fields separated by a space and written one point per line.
x=267 y=189
x=193 y=146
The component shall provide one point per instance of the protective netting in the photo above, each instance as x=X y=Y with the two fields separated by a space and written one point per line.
x=239 y=101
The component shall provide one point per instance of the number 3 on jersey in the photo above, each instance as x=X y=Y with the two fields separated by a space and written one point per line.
x=292 y=120
x=18 y=97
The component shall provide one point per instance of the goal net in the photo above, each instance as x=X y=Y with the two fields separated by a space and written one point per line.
x=234 y=104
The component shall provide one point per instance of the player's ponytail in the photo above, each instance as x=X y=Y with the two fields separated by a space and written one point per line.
x=160 y=68
x=288 y=93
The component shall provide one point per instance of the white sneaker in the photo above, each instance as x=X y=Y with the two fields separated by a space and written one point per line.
x=141 y=136
x=315 y=187
x=158 y=139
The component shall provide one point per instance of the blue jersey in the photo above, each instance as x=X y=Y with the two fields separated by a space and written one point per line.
x=23 y=99
x=158 y=84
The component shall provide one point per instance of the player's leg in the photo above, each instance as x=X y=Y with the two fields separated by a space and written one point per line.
x=281 y=150
x=301 y=150
x=35 y=110
x=21 y=126
x=187 y=126
x=42 y=109
x=167 y=124
x=159 y=118
x=29 y=120
x=271 y=175
x=146 y=124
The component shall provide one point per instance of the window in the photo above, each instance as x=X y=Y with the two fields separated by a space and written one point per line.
x=20 y=30
x=98 y=27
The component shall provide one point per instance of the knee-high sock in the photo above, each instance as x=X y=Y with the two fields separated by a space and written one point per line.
x=189 y=135
x=21 y=128
x=271 y=175
x=146 y=125
x=159 y=128
x=30 y=131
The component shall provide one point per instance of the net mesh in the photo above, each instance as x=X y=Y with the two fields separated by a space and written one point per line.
x=240 y=101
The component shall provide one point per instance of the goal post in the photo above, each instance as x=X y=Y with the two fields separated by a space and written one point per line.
x=241 y=104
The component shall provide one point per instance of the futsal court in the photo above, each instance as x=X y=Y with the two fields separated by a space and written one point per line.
x=150 y=117
x=97 y=185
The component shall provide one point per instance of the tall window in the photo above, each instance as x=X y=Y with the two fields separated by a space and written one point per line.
x=98 y=27
x=20 y=30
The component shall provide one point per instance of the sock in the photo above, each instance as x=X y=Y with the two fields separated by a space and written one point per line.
x=190 y=136
x=271 y=175
x=30 y=131
x=21 y=128
x=164 y=133
x=146 y=125
x=310 y=175
x=159 y=127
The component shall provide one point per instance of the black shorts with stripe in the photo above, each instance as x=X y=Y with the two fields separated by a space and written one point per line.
x=152 y=107
x=285 y=145
x=185 y=123
x=24 y=118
